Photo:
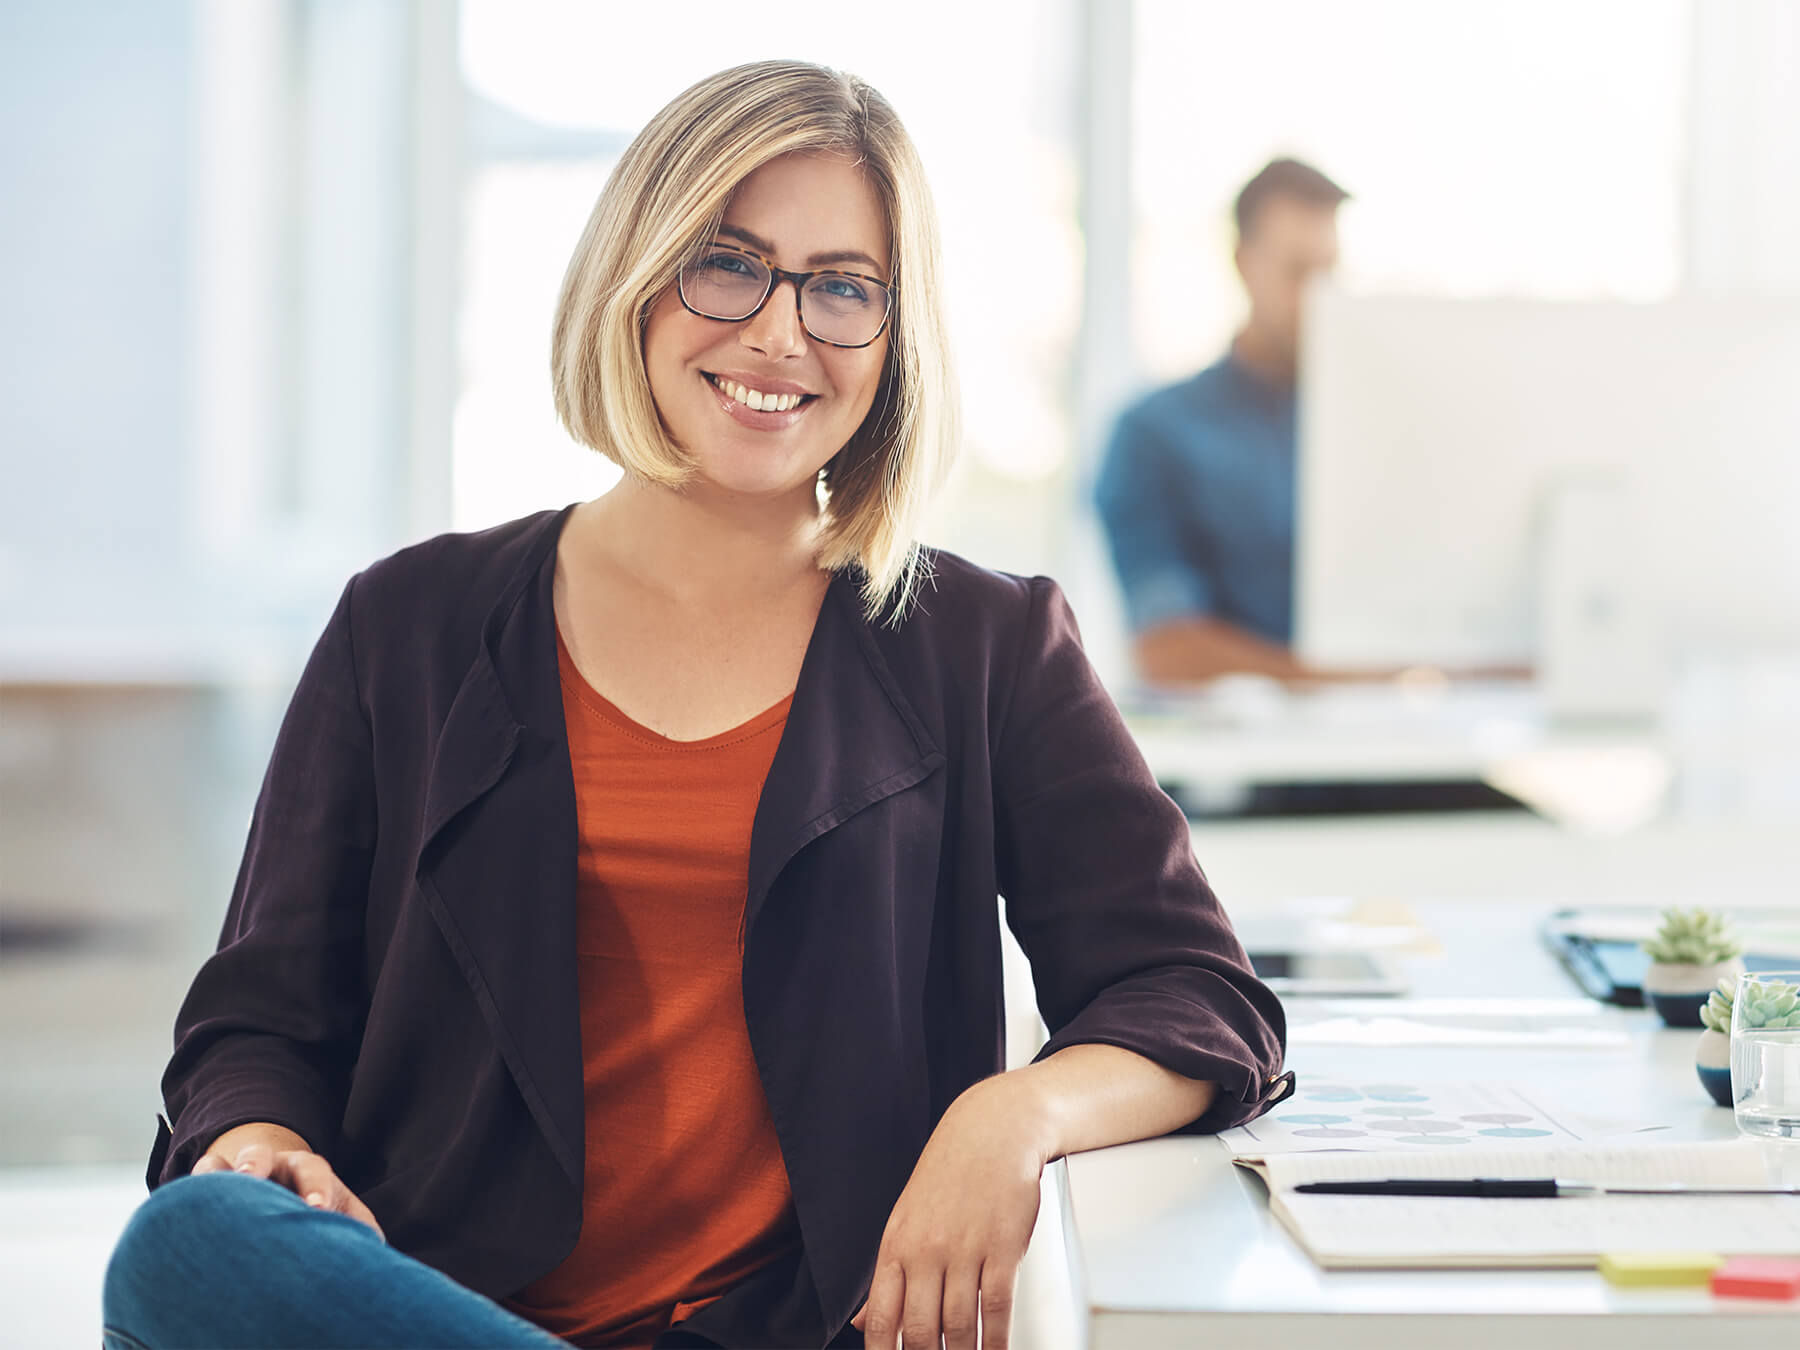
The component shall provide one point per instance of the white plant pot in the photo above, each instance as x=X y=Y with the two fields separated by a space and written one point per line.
x=1712 y=1064
x=1677 y=990
x=1713 y=1050
x=1687 y=978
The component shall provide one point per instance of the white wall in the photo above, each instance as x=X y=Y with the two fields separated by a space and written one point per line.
x=93 y=153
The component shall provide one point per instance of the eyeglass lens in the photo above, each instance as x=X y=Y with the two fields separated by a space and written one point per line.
x=726 y=284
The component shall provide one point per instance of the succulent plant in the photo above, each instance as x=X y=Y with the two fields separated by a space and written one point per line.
x=1696 y=937
x=1715 y=1014
x=1774 y=1004
x=1769 y=1005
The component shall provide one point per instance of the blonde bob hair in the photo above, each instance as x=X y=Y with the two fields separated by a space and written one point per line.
x=665 y=200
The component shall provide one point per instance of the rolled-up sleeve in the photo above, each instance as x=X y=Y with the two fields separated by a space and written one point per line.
x=1128 y=944
x=1141 y=512
x=272 y=1022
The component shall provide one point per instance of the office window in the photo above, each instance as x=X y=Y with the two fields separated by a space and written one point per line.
x=1531 y=151
x=511 y=457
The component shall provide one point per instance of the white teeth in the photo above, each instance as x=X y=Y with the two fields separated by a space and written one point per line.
x=757 y=400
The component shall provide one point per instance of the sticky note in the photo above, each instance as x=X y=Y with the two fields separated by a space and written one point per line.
x=1758 y=1277
x=1659 y=1267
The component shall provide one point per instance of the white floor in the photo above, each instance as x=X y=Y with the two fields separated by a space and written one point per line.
x=57 y=1227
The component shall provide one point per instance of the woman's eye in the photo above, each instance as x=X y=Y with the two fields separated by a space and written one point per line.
x=729 y=263
x=843 y=288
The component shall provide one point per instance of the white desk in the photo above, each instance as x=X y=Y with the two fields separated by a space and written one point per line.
x=1500 y=857
x=1246 y=730
x=1171 y=1245
x=1727 y=744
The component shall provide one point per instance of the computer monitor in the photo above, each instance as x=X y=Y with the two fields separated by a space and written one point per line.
x=1461 y=462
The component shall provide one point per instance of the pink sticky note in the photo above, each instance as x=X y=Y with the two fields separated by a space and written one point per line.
x=1758 y=1277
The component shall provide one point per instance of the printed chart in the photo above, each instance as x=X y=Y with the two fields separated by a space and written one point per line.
x=1372 y=1116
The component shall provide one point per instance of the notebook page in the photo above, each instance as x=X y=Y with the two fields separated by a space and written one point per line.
x=1402 y=1231
x=1726 y=1163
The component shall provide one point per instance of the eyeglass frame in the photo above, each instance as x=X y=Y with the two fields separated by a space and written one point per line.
x=777 y=275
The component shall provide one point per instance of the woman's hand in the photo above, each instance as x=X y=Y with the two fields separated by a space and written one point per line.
x=277 y=1153
x=953 y=1244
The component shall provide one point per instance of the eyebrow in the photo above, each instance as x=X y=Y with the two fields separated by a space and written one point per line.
x=827 y=259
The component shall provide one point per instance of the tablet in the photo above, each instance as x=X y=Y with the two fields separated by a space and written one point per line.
x=1600 y=947
x=1339 y=973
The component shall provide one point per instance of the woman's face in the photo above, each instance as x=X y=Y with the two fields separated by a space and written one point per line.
x=802 y=212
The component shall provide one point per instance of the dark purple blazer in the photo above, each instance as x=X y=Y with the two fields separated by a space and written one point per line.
x=395 y=980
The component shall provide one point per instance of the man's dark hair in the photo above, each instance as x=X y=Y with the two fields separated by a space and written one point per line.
x=1283 y=178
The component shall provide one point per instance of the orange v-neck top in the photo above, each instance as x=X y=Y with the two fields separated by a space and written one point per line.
x=685 y=1191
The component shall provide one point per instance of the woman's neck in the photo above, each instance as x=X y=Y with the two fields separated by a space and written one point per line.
x=701 y=550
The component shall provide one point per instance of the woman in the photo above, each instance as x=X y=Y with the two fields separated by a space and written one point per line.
x=617 y=935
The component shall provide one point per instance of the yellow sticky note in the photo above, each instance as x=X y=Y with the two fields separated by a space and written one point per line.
x=1640 y=1268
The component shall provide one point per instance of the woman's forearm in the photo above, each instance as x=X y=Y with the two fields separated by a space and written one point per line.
x=1089 y=1096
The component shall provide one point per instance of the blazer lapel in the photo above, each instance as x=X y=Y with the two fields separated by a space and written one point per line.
x=473 y=749
x=851 y=739
x=497 y=861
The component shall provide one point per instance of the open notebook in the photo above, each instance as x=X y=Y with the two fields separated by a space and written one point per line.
x=1406 y=1232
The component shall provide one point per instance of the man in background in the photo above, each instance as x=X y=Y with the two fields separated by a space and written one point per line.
x=1196 y=489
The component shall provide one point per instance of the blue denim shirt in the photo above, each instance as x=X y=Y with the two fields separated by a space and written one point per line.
x=1197 y=494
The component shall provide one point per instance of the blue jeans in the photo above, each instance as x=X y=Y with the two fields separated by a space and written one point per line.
x=223 y=1259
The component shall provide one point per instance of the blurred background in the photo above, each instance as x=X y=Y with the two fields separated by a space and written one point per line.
x=279 y=278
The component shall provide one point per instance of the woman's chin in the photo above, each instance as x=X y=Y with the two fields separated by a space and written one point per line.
x=740 y=472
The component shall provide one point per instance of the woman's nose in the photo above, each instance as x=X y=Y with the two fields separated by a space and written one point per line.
x=775 y=330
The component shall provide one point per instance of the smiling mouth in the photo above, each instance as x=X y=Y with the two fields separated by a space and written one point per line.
x=755 y=399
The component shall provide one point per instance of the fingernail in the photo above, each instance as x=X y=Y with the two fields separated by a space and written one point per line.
x=243 y=1167
x=315 y=1199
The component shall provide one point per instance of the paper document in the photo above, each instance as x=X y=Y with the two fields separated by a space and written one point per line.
x=1404 y=1232
x=1408 y=1115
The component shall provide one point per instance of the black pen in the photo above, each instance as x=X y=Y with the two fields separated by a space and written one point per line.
x=1536 y=1188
